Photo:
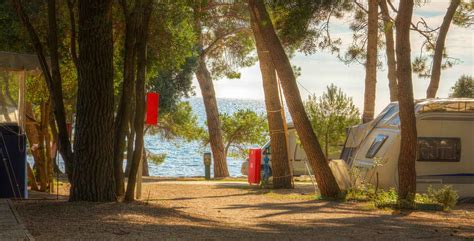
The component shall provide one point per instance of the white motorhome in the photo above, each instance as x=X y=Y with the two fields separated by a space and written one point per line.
x=445 y=154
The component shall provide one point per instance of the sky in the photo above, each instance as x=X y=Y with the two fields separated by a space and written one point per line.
x=321 y=69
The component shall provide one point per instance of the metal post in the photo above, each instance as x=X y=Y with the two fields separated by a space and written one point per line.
x=207 y=165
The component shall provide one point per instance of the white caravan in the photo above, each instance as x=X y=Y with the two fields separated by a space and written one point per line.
x=445 y=154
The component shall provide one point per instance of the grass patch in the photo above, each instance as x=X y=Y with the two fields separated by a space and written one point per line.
x=444 y=198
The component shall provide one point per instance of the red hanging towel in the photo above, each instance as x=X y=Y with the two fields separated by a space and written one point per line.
x=152 y=105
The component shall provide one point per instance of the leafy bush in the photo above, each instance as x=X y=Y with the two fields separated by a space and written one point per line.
x=445 y=196
x=157 y=158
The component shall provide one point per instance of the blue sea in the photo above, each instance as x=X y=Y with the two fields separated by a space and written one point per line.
x=184 y=159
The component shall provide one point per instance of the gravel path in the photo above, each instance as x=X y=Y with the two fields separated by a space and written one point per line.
x=177 y=210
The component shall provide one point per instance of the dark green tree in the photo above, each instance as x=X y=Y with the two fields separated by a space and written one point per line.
x=463 y=88
x=330 y=115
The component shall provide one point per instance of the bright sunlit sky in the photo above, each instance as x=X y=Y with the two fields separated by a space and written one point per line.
x=321 y=69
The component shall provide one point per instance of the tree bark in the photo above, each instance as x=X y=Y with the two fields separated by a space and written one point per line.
x=278 y=141
x=49 y=169
x=140 y=100
x=128 y=88
x=408 y=140
x=213 y=122
x=130 y=142
x=35 y=139
x=32 y=178
x=326 y=182
x=371 y=63
x=52 y=81
x=389 y=51
x=439 y=49
x=93 y=178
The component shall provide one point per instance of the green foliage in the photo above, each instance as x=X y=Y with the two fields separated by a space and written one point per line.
x=180 y=123
x=242 y=129
x=330 y=115
x=225 y=38
x=445 y=196
x=156 y=158
x=464 y=87
x=173 y=85
x=304 y=25
x=464 y=14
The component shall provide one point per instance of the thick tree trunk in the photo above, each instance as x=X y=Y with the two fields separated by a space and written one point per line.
x=371 y=63
x=212 y=114
x=408 y=141
x=128 y=88
x=93 y=178
x=389 y=51
x=278 y=140
x=326 y=182
x=439 y=49
x=140 y=100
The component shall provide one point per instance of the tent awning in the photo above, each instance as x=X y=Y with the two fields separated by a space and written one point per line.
x=10 y=61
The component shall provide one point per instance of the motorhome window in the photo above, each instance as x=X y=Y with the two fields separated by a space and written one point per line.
x=389 y=113
x=376 y=145
x=439 y=149
x=395 y=121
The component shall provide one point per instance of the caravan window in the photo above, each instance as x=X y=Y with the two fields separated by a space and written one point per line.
x=439 y=149
x=376 y=145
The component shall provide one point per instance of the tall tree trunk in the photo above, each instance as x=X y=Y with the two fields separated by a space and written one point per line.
x=278 y=142
x=371 y=63
x=52 y=81
x=389 y=51
x=45 y=114
x=408 y=141
x=140 y=100
x=57 y=93
x=439 y=49
x=93 y=178
x=35 y=139
x=145 y=170
x=326 y=182
x=32 y=178
x=130 y=143
x=128 y=88
x=213 y=122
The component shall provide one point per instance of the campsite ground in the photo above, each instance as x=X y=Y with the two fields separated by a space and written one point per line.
x=196 y=210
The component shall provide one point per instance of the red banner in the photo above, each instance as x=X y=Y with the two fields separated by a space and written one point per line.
x=152 y=105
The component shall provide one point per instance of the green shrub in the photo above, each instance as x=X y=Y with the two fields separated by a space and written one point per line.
x=157 y=158
x=445 y=196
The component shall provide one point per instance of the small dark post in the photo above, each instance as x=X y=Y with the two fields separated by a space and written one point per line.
x=207 y=165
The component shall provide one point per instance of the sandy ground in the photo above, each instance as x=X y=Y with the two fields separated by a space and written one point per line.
x=197 y=210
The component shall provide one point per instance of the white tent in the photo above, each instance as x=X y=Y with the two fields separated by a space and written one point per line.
x=21 y=64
